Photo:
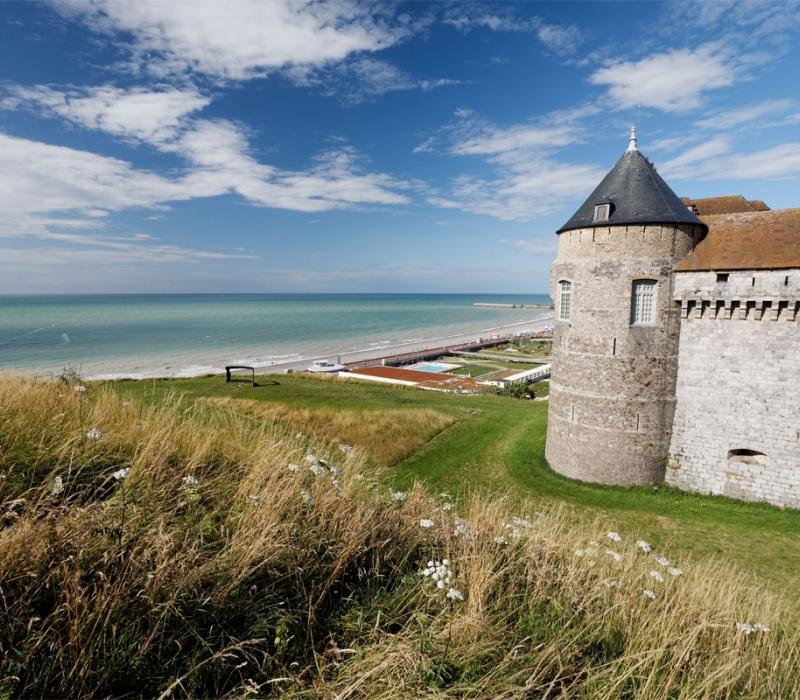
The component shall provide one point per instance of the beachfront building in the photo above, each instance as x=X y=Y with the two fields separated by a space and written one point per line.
x=676 y=351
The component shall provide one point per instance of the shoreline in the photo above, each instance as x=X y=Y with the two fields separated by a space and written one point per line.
x=345 y=356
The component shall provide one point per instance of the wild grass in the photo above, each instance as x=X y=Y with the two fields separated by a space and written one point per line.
x=253 y=578
x=386 y=436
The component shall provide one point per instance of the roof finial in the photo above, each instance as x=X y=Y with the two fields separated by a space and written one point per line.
x=632 y=146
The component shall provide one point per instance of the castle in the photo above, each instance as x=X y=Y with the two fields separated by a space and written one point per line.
x=676 y=347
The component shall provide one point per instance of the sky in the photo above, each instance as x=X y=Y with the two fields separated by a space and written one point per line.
x=287 y=146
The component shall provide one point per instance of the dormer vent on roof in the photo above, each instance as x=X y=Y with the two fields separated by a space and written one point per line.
x=636 y=193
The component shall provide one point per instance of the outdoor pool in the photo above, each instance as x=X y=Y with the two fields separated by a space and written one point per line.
x=434 y=366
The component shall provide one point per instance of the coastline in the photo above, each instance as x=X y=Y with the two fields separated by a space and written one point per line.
x=345 y=356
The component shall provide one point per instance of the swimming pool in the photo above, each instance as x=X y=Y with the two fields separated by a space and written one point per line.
x=434 y=366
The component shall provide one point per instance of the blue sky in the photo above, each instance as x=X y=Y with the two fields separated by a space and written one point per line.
x=342 y=146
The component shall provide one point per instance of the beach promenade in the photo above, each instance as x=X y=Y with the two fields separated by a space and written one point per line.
x=401 y=353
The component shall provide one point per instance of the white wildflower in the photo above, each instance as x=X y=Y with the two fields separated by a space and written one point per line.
x=346 y=448
x=399 y=496
x=311 y=459
x=446 y=496
x=644 y=546
x=594 y=543
x=294 y=468
x=335 y=472
x=611 y=583
x=307 y=497
x=674 y=571
x=94 y=434
x=463 y=529
x=657 y=575
x=57 y=487
x=454 y=594
x=580 y=552
x=614 y=536
x=447 y=506
x=662 y=560
x=337 y=484
x=80 y=389
x=517 y=525
x=317 y=470
x=190 y=481
x=426 y=523
x=360 y=477
x=440 y=584
x=748 y=629
x=649 y=594
x=299 y=435
x=501 y=540
x=616 y=556
x=120 y=474
x=758 y=627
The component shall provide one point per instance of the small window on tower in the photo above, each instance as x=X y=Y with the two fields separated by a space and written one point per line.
x=643 y=302
x=602 y=212
x=564 y=300
x=722 y=277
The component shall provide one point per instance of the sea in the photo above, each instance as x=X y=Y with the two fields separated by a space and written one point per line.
x=148 y=335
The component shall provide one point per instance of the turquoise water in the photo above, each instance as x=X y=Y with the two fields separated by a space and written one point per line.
x=137 y=335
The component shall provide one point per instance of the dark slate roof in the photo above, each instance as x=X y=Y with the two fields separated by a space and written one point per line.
x=638 y=195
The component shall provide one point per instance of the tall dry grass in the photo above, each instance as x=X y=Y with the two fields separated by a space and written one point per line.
x=256 y=580
x=385 y=436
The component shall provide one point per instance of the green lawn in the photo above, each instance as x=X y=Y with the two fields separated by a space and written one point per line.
x=497 y=445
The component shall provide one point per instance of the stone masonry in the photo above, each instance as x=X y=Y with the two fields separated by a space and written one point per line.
x=736 y=429
x=612 y=395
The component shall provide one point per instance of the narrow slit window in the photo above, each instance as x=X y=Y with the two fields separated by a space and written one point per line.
x=643 y=302
x=564 y=300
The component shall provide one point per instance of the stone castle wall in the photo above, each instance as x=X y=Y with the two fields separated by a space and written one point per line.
x=612 y=389
x=738 y=386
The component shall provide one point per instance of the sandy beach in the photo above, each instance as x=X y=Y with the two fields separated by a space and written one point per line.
x=344 y=357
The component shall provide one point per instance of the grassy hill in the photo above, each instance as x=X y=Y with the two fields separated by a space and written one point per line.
x=156 y=545
x=495 y=445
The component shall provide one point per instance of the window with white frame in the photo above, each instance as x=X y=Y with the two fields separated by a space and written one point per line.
x=643 y=302
x=602 y=212
x=564 y=300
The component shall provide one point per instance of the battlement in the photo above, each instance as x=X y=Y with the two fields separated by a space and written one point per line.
x=753 y=295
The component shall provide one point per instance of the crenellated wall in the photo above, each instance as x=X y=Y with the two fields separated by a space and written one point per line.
x=736 y=429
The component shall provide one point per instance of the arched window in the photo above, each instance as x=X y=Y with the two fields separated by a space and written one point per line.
x=564 y=300
x=643 y=302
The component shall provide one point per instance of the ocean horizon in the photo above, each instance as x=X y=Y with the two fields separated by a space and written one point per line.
x=142 y=335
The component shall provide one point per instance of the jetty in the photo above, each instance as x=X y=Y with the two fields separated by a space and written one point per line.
x=497 y=305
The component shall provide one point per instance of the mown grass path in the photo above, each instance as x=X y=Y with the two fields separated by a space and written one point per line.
x=497 y=445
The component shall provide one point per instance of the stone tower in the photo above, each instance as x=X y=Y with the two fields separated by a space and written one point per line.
x=615 y=342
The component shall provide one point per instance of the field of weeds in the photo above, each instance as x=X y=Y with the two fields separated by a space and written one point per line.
x=161 y=550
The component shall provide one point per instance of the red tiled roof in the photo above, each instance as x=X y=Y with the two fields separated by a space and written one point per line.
x=750 y=240
x=728 y=204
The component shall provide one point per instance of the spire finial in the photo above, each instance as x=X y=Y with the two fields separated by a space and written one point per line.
x=632 y=145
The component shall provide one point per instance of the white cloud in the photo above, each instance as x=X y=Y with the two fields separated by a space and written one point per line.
x=529 y=180
x=714 y=161
x=46 y=187
x=152 y=116
x=729 y=118
x=673 y=81
x=364 y=78
x=540 y=245
x=561 y=39
x=239 y=39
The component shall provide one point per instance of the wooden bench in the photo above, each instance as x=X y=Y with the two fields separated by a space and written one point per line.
x=234 y=368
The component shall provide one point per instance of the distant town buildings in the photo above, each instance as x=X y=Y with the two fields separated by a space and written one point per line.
x=676 y=351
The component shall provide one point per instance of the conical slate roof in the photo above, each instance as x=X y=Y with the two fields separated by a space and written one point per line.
x=637 y=194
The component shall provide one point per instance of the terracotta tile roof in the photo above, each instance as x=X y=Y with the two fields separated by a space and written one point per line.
x=753 y=240
x=729 y=204
x=426 y=379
